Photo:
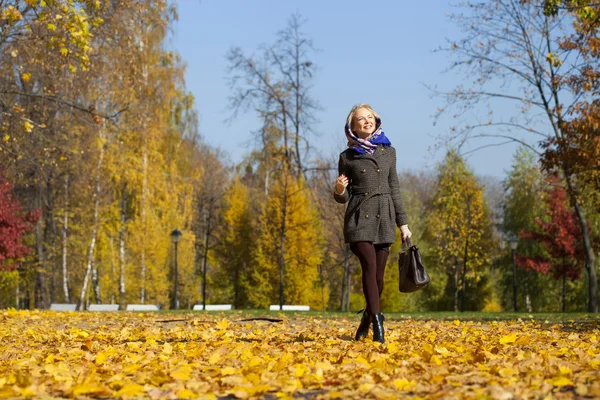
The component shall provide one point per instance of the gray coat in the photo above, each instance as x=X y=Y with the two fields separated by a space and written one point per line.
x=375 y=204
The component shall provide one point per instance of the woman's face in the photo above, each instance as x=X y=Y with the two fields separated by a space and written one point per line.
x=363 y=123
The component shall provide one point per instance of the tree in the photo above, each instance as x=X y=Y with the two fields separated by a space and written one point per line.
x=287 y=249
x=237 y=241
x=279 y=84
x=458 y=228
x=109 y=189
x=560 y=237
x=14 y=225
x=514 y=50
x=524 y=187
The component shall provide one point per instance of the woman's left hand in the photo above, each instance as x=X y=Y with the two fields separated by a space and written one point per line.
x=406 y=233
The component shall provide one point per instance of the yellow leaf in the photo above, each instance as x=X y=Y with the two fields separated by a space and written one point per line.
x=435 y=360
x=392 y=347
x=167 y=348
x=442 y=350
x=581 y=389
x=509 y=338
x=523 y=340
x=6 y=138
x=29 y=392
x=300 y=370
x=100 y=358
x=214 y=358
x=594 y=364
x=181 y=374
x=561 y=381
x=403 y=384
x=28 y=126
x=51 y=27
x=7 y=392
x=565 y=371
x=228 y=371
x=64 y=51
x=507 y=372
x=186 y=394
x=223 y=324
x=14 y=53
x=131 y=389
x=456 y=322
x=26 y=76
x=363 y=361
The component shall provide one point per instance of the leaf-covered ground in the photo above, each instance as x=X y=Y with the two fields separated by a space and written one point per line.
x=122 y=354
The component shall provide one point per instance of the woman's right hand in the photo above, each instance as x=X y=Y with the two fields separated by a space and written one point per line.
x=340 y=184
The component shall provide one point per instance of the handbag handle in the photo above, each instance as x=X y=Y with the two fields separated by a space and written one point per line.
x=407 y=244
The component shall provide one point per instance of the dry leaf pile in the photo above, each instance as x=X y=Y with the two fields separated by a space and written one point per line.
x=122 y=354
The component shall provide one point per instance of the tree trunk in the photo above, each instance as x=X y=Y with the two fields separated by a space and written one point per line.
x=205 y=255
x=88 y=271
x=144 y=130
x=456 y=284
x=143 y=217
x=113 y=272
x=90 y=259
x=17 y=293
x=564 y=297
x=282 y=239
x=298 y=109
x=590 y=264
x=464 y=277
x=527 y=296
x=122 y=247
x=50 y=237
x=65 y=232
x=96 y=284
x=40 y=281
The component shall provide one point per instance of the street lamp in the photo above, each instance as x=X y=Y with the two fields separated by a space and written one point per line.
x=514 y=242
x=175 y=238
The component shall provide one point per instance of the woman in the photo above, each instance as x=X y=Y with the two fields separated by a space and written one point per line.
x=368 y=180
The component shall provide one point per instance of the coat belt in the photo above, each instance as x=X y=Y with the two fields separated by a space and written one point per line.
x=374 y=191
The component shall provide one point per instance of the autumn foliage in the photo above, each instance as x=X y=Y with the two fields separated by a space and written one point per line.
x=560 y=236
x=14 y=225
x=124 y=355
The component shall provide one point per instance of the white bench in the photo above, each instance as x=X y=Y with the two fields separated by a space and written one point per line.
x=103 y=307
x=213 y=307
x=63 y=307
x=142 y=307
x=275 y=307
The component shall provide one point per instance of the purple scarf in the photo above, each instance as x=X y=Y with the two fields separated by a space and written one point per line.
x=363 y=146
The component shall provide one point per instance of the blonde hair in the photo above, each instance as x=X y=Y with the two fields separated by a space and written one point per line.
x=357 y=107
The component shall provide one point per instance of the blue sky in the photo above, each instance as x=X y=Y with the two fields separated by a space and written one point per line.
x=377 y=52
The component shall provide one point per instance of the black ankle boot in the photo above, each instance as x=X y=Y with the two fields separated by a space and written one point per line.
x=363 y=328
x=378 y=332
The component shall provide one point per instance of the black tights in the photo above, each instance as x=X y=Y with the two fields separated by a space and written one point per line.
x=373 y=258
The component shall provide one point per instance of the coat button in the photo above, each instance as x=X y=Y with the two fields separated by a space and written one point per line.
x=377 y=215
x=363 y=171
x=366 y=193
x=378 y=170
x=367 y=216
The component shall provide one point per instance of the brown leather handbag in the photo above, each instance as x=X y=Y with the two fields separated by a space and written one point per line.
x=412 y=271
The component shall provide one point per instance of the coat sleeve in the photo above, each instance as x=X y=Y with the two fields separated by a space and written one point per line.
x=401 y=217
x=344 y=197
